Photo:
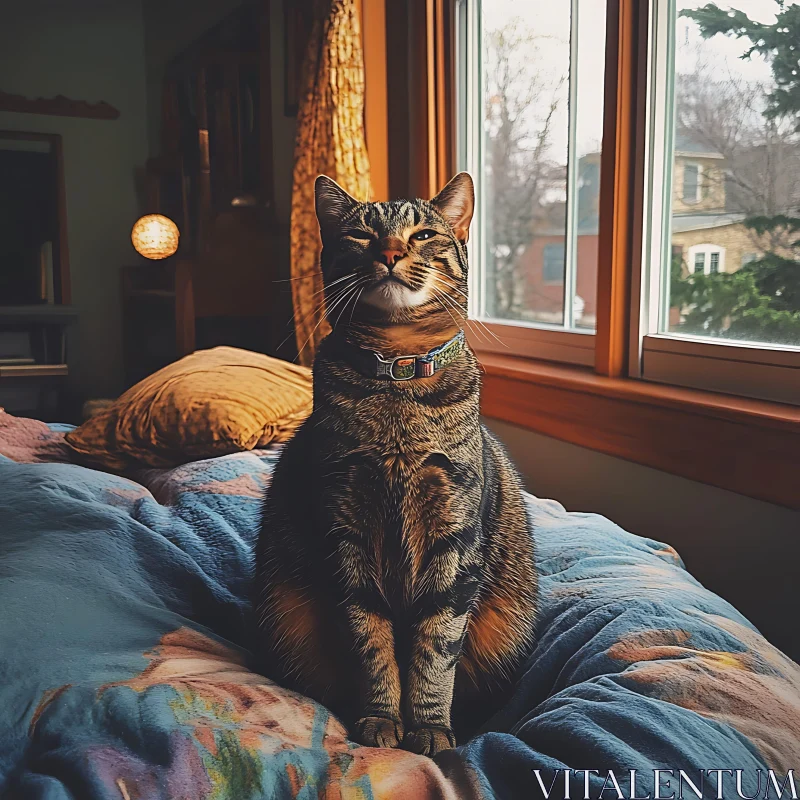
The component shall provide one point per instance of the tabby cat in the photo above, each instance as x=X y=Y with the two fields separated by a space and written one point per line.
x=395 y=565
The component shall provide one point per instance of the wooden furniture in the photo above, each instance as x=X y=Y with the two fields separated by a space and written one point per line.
x=173 y=307
x=59 y=106
x=157 y=316
x=216 y=132
x=214 y=179
x=33 y=359
x=34 y=278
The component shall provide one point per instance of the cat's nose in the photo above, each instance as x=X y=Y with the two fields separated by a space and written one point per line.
x=391 y=253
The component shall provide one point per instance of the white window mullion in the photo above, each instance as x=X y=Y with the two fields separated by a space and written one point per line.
x=646 y=295
x=470 y=140
x=571 y=233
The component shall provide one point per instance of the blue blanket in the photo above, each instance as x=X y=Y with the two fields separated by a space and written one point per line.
x=124 y=671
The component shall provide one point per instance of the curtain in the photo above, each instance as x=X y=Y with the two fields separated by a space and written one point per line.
x=330 y=140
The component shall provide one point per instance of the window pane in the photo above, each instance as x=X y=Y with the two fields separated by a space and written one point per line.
x=540 y=211
x=700 y=262
x=735 y=226
x=691 y=183
x=553 y=263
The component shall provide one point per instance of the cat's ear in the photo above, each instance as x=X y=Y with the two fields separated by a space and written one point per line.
x=456 y=203
x=332 y=203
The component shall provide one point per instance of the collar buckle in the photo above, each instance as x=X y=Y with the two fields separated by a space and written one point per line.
x=400 y=368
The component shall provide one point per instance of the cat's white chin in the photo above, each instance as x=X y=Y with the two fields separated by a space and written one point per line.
x=392 y=296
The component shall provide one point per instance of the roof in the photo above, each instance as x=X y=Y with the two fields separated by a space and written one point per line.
x=686 y=144
x=698 y=222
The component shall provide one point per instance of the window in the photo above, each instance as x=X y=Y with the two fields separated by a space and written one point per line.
x=531 y=116
x=725 y=313
x=553 y=263
x=695 y=198
x=712 y=164
x=705 y=259
x=691 y=183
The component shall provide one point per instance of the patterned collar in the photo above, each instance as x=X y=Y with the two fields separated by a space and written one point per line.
x=402 y=368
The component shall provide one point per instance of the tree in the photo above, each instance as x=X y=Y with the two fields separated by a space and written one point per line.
x=761 y=156
x=761 y=301
x=776 y=42
x=520 y=103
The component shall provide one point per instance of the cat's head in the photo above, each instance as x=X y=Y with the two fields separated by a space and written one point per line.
x=400 y=261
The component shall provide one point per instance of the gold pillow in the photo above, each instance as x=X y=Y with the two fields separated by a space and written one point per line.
x=207 y=404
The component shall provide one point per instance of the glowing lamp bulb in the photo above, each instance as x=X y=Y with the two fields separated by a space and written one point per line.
x=155 y=236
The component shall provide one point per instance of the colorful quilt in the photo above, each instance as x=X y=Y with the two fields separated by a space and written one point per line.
x=124 y=673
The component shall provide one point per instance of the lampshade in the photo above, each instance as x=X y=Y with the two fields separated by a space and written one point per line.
x=155 y=236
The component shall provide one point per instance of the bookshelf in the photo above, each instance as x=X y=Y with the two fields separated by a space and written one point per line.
x=33 y=359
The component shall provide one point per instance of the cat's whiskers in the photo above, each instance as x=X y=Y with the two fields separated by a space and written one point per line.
x=480 y=329
x=352 y=294
x=333 y=283
x=445 y=278
x=311 y=277
x=293 y=321
x=318 y=307
x=322 y=308
x=439 y=295
x=461 y=311
x=352 y=311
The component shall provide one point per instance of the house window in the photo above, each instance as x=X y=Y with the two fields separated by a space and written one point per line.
x=706 y=258
x=699 y=262
x=553 y=263
x=691 y=183
x=531 y=88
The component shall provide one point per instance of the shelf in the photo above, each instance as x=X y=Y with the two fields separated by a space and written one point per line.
x=151 y=293
x=33 y=370
x=44 y=313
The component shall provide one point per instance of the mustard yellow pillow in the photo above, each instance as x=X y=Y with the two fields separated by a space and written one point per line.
x=207 y=404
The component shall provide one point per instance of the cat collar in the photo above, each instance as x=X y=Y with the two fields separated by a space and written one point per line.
x=405 y=368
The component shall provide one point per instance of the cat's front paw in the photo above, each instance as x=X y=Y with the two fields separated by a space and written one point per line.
x=429 y=741
x=378 y=732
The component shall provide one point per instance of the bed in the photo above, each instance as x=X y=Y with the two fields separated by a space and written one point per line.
x=124 y=671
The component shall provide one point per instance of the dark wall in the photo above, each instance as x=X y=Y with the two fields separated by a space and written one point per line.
x=87 y=50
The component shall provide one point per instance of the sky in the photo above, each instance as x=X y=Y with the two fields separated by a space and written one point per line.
x=724 y=51
x=549 y=20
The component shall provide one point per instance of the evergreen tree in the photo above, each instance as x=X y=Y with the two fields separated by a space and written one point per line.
x=761 y=301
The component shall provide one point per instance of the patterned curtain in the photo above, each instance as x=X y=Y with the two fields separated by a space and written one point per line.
x=330 y=140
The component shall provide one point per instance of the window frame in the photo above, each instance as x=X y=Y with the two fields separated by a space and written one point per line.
x=597 y=400
x=637 y=138
x=551 y=342
x=655 y=354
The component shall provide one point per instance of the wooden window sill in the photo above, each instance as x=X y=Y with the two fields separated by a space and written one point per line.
x=747 y=446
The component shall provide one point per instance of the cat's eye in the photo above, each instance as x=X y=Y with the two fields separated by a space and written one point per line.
x=361 y=236
x=421 y=236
